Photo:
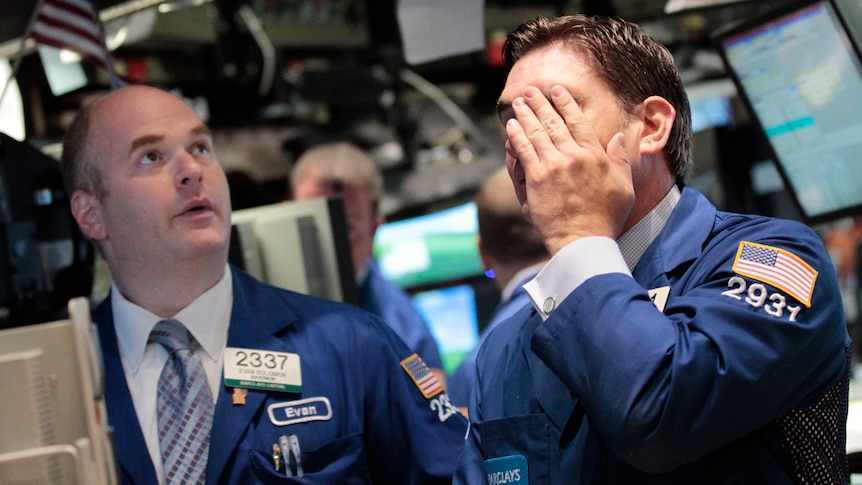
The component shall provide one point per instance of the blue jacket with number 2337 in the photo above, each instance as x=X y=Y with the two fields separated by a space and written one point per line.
x=359 y=416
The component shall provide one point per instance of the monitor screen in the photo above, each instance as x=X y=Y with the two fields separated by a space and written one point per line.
x=800 y=74
x=299 y=245
x=452 y=317
x=431 y=248
x=710 y=112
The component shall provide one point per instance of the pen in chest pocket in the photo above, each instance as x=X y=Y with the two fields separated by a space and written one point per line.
x=287 y=447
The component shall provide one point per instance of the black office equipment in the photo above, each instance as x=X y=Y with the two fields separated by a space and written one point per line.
x=44 y=259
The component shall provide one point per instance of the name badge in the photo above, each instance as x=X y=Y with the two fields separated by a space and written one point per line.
x=262 y=369
x=506 y=470
x=301 y=411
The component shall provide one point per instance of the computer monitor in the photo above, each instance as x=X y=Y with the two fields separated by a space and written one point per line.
x=710 y=112
x=53 y=426
x=800 y=74
x=451 y=315
x=431 y=248
x=298 y=245
x=435 y=257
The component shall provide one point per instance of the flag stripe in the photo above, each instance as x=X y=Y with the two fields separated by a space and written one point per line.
x=795 y=286
x=82 y=25
x=78 y=13
x=64 y=40
x=82 y=8
x=778 y=268
x=74 y=25
x=791 y=275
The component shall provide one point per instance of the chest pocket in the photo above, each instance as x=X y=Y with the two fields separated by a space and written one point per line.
x=531 y=436
x=342 y=461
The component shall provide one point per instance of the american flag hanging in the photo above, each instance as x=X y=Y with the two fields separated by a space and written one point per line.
x=74 y=25
x=777 y=267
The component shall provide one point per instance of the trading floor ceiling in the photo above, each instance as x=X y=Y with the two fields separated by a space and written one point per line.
x=204 y=41
x=206 y=45
x=186 y=20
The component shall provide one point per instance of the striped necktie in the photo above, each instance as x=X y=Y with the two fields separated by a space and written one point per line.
x=184 y=406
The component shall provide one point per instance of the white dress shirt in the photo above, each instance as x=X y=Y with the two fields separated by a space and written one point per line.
x=207 y=318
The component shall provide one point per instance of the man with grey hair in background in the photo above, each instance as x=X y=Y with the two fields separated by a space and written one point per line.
x=343 y=169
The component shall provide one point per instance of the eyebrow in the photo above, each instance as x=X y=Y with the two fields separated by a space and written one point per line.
x=145 y=140
x=201 y=129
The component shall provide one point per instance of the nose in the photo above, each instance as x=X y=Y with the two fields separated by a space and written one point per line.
x=190 y=172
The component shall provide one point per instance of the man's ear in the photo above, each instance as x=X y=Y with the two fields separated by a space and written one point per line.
x=487 y=263
x=379 y=220
x=87 y=211
x=658 y=116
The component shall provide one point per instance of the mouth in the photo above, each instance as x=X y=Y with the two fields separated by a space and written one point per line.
x=197 y=206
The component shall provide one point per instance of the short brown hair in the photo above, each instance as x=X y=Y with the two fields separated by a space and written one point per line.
x=78 y=160
x=506 y=234
x=633 y=65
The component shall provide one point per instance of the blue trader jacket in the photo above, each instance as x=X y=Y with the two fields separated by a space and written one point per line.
x=359 y=417
x=735 y=381
x=389 y=302
x=463 y=380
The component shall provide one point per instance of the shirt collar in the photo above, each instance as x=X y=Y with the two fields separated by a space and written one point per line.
x=634 y=243
x=207 y=318
x=366 y=270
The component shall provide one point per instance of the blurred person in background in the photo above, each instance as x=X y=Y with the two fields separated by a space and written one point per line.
x=343 y=169
x=513 y=250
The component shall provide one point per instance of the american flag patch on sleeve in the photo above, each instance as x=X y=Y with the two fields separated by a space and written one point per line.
x=422 y=376
x=777 y=267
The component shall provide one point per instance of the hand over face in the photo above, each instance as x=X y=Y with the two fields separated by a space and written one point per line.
x=571 y=186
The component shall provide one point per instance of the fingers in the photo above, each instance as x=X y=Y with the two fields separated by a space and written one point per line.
x=620 y=160
x=617 y=148
x=547 y=125
x=536 y=131
x=622 y=165
x=543 y=124
x=519 y=146
x=573 y=185
x=576 y=126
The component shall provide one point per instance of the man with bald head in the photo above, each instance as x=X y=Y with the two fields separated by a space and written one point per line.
x=212 y=376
